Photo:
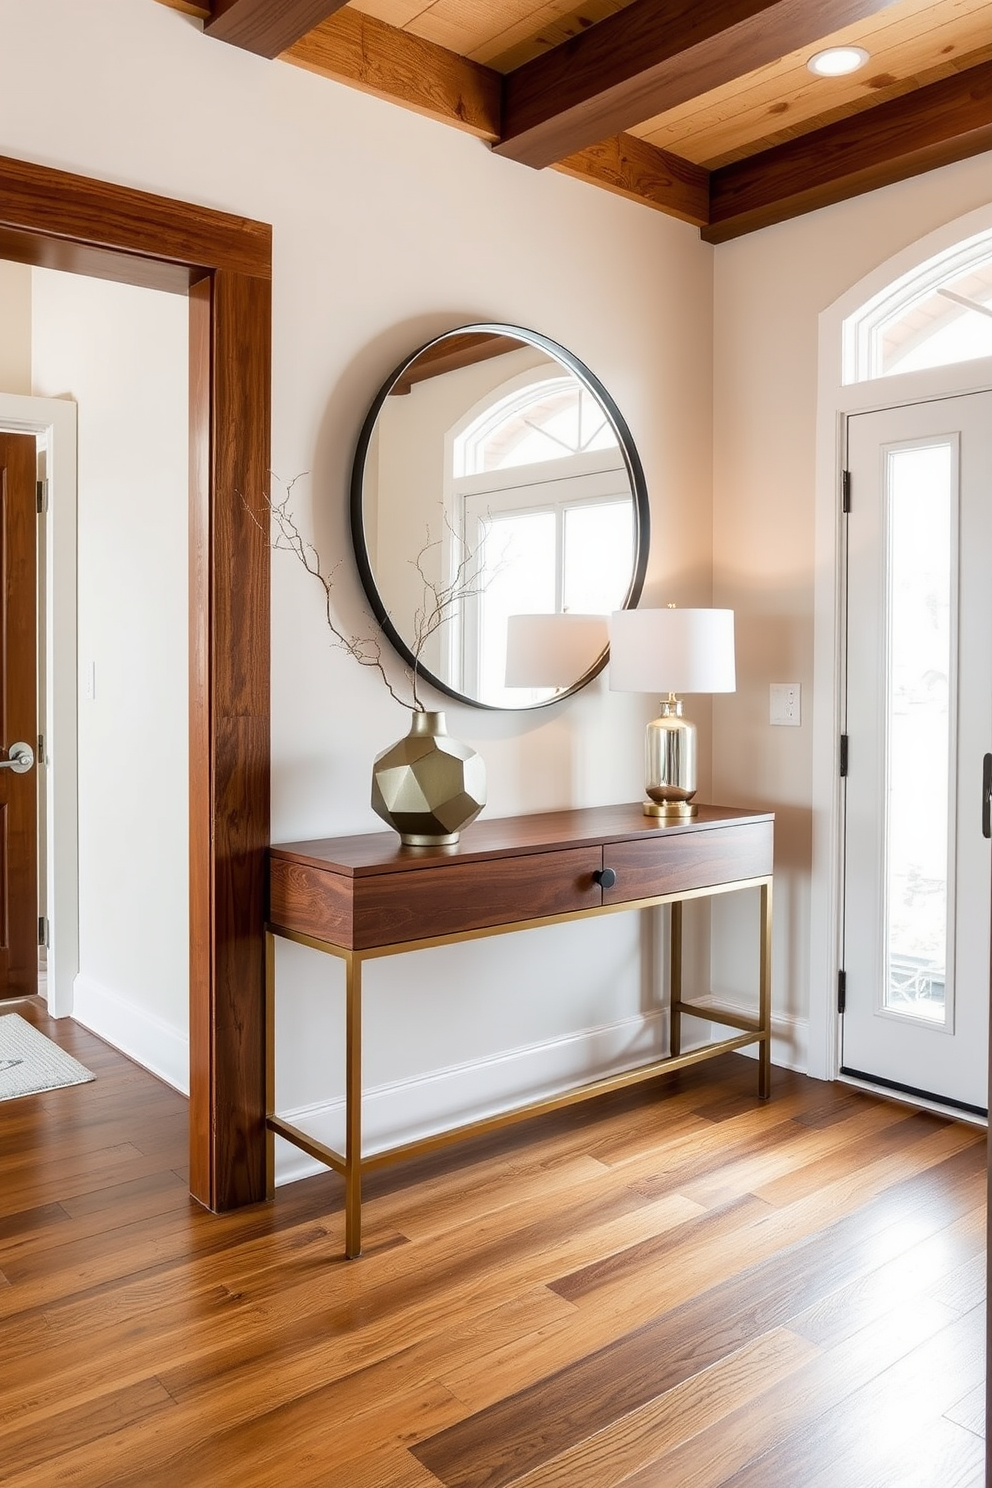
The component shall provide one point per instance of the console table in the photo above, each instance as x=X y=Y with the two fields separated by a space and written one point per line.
x=362 y=897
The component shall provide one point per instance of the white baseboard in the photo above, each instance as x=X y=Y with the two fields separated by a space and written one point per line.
x=790 y=1035
x=408 y=1109
x=137 y=1033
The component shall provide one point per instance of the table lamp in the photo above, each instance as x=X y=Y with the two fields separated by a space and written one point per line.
x=553 y=650
x=671 y=651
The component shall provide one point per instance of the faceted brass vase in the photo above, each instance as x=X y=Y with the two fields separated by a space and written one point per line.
x=428 y=786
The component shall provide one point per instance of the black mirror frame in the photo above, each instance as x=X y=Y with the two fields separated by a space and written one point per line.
x=642 y=516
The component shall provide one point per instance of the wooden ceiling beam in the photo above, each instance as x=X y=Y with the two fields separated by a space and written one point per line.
x=266 y=27
x=630 y=167
x=392 y=64
x=944 y=122
x=647 y=58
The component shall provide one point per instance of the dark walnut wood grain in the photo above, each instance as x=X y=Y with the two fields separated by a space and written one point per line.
x=55 y=212
x=229 y=756
x=632 y=168
x=266 y=29
x=390 y=63
x=366 y=891
x=18 y=715
x=946 y=121
x=649 y=57
x=390 y=908
x=311 y=901
x=224 y=263
x=690 y=861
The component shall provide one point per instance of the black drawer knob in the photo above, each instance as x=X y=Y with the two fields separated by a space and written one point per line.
x=605 y=877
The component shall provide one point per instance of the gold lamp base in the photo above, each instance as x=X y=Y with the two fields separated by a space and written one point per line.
x=671 y=810
x=670 y=764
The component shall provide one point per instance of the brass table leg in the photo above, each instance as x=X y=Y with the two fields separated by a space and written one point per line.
x=353 y=1109
x=270 y=1061
x=765 y=995
x=675 y=980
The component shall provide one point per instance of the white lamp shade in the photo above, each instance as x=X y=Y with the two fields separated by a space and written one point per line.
x=672 y=651
x=553 y=650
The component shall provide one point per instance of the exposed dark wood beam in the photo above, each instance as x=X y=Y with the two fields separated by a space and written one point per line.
x=946 y=121
x=649 y=57
x=630 y=167
x=451 y=354
x=267 y=27
x=357 y=49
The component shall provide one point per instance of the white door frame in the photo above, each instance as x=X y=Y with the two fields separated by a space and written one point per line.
x=835 y=404
x=53 y=420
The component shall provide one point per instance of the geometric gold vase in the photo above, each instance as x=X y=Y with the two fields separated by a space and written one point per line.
x=428 y=786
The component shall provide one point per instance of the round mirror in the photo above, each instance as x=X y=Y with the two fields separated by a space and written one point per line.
x=499 y=514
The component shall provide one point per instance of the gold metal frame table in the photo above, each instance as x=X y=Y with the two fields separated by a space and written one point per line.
x=363 y=897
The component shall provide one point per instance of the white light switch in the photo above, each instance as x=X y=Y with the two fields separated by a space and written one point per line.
x=785 y=704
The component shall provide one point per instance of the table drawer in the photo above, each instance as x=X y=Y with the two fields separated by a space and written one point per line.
x=459 y=896
x=669 y=864
x=310 y=901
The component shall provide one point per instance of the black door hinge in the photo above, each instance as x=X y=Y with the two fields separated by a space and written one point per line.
x=842 y=991
x=843 y=756
x=845 y=491
x=42 y=493
x=42 y=931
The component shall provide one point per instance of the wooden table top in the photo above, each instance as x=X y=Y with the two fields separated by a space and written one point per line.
x=545 y=831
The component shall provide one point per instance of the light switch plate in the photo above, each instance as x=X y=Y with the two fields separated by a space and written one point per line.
x=785 y=704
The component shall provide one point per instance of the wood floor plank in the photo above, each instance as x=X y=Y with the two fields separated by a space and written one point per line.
x=779 y=1439
x=611 y=1455
x=870 y=1426
x=30 y=1444
x=537 y=1423
x=674 y=1287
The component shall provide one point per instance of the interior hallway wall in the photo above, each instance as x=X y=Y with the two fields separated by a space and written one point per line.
x=388 y=229
x=121 y=354
x=15 y=327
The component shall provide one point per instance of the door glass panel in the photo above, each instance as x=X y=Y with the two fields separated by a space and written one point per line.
x=918 y=730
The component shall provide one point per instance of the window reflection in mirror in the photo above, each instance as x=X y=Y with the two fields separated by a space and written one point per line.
x=491 y=464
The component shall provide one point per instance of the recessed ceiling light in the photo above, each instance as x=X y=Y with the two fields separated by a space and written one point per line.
x=836 y=61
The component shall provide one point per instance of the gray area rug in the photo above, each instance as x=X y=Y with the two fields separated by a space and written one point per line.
x=30 y=1062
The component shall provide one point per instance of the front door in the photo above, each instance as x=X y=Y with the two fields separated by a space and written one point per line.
x=919 y=723
x=18 y=717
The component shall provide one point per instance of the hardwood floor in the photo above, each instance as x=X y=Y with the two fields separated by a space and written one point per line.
x=674 y=1287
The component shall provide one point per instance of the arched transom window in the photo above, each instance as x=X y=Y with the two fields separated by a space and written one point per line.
x=938 y=313
x=555 y=419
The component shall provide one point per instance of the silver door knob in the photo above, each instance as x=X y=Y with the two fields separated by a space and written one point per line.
x=20 y=758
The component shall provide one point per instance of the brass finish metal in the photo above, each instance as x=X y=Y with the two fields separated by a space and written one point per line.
x=352 y=1164
x=671 y=810
x=353 y=1110
x=428 y=786
x=675 y=981
x=270 y=1061
x=310 y=1145
x=765 y=994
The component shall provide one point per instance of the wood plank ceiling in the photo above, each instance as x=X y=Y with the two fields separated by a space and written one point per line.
x=704 y=109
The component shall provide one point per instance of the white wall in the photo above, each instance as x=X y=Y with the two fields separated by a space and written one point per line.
x=121 y=353
x=15 y=328
x=388 y=229
x=770 y=288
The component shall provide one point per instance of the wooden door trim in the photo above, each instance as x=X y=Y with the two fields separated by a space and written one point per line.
x=54 y=219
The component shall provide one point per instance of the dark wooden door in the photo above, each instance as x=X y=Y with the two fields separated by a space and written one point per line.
x=18 y=716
